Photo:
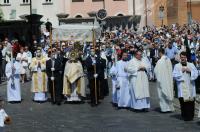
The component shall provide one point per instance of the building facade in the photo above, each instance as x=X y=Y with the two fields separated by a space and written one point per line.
x=17 y=9
x=81 y=8
x=176 y=11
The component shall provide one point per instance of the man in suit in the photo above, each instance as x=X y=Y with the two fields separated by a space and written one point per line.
x=154 y=56
x=54 y=73
x=95 y=67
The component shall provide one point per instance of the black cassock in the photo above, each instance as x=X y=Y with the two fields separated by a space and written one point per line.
x=100 y=66
x=187 y=109
x=57 y=74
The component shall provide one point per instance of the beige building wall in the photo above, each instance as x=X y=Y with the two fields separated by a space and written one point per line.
x=155 y=10
x=195 y=11
x=82 y=8
x=176 y=11
x=182 y=12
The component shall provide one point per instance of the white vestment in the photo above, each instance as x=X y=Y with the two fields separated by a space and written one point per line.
x=114 y=88
x=122 y=81
x=139 y=85
x=74 y=81
x=24 y=62
x=185 y=81
x=163 y=72
x=13 y=83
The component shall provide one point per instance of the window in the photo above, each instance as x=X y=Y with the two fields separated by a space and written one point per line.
x=78 y=16
x=48 y=1
x=13 y=14
x=77 y=0
x=25 y=1
x=120 y=14
x=6 y=1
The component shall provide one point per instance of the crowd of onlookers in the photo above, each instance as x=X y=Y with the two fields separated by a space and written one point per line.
x=174 y=39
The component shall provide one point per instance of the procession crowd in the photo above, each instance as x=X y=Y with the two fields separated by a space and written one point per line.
x=169 y=55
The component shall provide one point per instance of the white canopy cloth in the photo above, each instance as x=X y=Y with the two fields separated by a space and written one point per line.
x=75 y=32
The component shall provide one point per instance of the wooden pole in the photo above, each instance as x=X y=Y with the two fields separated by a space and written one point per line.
x=95 y=81
x=190 y=12
x=51 y=44
x=12 y=66
x=145 y=4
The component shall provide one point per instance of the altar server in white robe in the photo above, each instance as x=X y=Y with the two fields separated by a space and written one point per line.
x=122 y=83
x=24 y=63
x=13 y=69
x=39 y=77
x=139 y=86
x=163 y=72
x=185 y=74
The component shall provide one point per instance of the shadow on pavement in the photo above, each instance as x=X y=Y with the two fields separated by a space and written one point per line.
x=177 y=116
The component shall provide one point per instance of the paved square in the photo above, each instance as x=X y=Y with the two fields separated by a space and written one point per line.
x=33 y=117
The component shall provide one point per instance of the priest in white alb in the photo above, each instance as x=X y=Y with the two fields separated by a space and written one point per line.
x=185 y=74
x=163 y=71
x=13 y=69
x=122 y=82
x=39 y=77
x=139 y=85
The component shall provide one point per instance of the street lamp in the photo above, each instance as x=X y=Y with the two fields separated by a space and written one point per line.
x=145 y=4
x=161 y=13
x=31 y=24
x=146 y=10
x=190 y=12
x=104 y=4
x=101 y=16
x=133 y=7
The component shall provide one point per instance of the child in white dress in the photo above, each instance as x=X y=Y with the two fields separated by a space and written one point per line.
x=4 y=118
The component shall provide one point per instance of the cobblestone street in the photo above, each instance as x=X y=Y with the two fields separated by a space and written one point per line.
x=33 y=117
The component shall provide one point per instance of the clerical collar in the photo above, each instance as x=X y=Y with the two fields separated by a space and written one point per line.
x=73 y=61
x=125 y=60
x=39 y=58
x=184 y=64
x=93 y=56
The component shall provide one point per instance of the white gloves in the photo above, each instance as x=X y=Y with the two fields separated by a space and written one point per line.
x=52 y=78
x=93 y=62
x=95 y=75
x=52 y=69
